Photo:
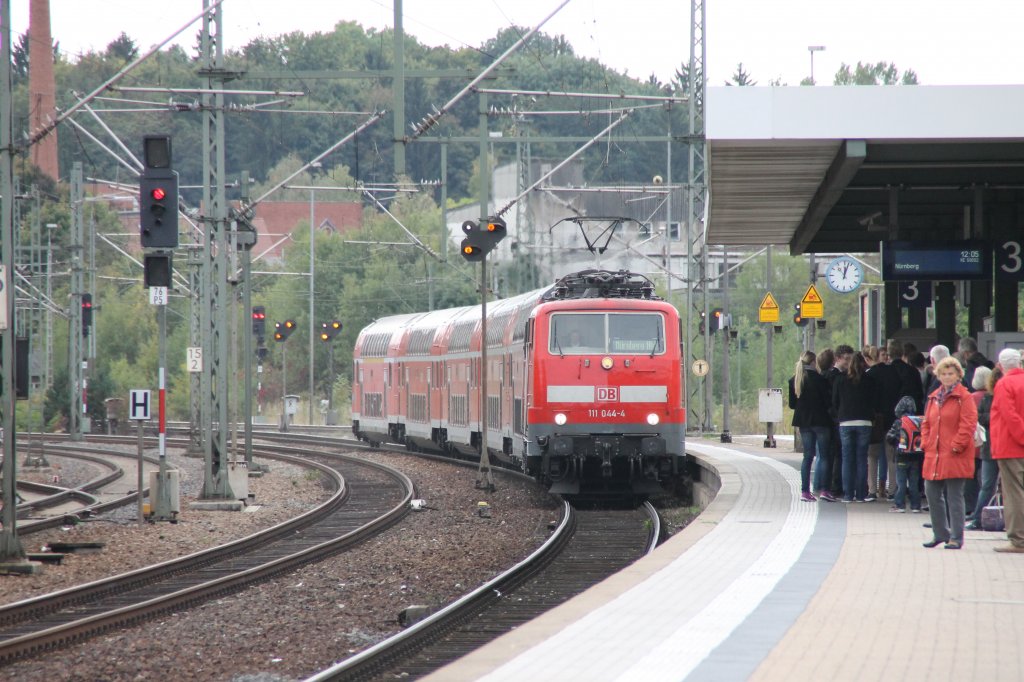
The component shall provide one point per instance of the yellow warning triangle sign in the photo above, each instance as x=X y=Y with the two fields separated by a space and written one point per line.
x=811 y=296
x=768 y=302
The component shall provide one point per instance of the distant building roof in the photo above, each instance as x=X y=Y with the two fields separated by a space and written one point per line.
x=276 y=220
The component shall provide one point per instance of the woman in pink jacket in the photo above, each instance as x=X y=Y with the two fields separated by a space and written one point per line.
x=947 y=437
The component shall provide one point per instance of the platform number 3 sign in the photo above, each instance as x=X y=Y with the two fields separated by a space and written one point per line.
x=1009 y=261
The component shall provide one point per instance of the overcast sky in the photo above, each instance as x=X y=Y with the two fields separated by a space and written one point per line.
x=947 y=42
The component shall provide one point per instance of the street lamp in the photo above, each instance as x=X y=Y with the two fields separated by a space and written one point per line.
x=812 y=49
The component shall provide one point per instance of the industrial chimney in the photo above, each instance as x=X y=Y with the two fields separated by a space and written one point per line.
x=41 y=86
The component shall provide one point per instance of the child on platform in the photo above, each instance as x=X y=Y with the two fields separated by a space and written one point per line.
x=905 y=435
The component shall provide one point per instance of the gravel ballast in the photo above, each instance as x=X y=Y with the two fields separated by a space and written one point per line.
x=306 y=620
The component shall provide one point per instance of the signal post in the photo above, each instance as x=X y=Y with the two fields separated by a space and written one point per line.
x=282 y=330
x=481 y=238
x=158 y=225
x=328 y=332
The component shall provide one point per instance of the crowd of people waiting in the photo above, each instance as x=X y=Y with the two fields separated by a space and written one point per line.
x=885 y=422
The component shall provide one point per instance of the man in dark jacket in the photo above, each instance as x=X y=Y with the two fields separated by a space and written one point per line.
x=890 y=390
x=842 y=354
x=971 y=359
x=910 y=378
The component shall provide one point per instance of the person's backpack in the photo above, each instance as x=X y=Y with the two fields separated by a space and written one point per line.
x=910 y=433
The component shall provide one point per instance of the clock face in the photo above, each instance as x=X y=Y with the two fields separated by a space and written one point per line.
x=844 y=275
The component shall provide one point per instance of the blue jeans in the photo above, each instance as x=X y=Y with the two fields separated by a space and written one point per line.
x=855 y=441
x=908 y=480
x=989 y=475
x=816 y=442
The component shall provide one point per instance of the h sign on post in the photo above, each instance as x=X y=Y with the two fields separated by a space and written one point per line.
x=138 y=404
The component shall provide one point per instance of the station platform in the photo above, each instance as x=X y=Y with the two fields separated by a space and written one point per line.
x=765 y=587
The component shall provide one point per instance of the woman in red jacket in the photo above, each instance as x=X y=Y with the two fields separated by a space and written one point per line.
x=947 y=437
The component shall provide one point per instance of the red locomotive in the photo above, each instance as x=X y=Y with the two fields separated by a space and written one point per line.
x=584 y=383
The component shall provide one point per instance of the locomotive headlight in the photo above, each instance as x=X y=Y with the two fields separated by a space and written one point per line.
x=653 y=419
x=607 y=362
x=560 y=419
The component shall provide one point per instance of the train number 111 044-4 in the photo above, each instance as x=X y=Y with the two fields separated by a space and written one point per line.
x=606 y=413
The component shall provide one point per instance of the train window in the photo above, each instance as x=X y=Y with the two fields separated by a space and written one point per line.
x=577 y=333
x=636 y=333
x=590 y=333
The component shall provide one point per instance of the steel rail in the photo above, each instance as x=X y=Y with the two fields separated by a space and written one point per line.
x=374 y=658
x=82 y=628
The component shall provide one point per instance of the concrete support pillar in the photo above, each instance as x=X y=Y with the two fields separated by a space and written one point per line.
x=893 y=321
x=945 y=314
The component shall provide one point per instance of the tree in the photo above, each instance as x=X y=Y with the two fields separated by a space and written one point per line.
x=879 y=73
x=19 y=57
x=122 y=47
x=741 y=77
x=681 y=82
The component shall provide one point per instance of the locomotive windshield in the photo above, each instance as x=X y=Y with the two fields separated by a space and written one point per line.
x=623 y=333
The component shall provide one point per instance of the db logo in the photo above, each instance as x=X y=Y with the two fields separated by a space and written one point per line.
x=607 y=394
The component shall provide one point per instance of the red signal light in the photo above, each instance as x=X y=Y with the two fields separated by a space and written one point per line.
x=159 y=193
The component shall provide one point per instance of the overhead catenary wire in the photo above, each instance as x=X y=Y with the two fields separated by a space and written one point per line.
x=377 y=116
x=138 y=164
x=431 y=120
x=78 y=126
x=53 y=123
x=566 y=160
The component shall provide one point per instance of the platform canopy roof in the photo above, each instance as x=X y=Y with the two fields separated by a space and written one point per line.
x=834 y=169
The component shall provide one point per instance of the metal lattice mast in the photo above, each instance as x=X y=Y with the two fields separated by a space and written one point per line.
x=35 y=326
x=10 y=546
x=696 y=193
x=216 y=365
x=76 y=344
x=197 y=382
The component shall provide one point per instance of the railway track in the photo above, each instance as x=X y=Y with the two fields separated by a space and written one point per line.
x=587 y=547
x=46 y=498
x=368 y=498
x=62 y=504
